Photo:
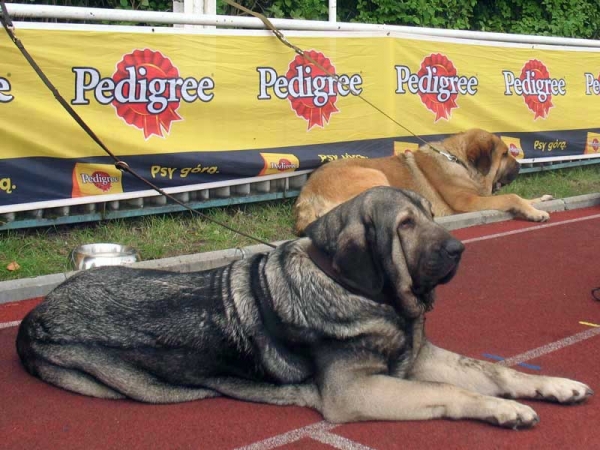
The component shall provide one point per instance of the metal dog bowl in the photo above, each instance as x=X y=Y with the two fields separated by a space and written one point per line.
x=96 y=255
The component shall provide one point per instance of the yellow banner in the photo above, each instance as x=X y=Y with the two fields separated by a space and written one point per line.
x=194 y=108
x=146 y=93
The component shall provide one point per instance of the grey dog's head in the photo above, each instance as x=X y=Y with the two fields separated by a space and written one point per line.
x=385 y=241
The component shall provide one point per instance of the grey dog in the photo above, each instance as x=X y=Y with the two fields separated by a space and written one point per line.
x=333 y=321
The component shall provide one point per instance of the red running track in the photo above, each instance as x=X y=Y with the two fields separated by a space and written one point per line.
x=521 y=293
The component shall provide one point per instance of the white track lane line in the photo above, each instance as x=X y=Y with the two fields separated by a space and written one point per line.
x=533 y=228
x=549 y=348
x=10 y=324
x=337 y=441
x=291 y=436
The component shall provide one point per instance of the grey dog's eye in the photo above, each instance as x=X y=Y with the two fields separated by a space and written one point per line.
x=407 y=222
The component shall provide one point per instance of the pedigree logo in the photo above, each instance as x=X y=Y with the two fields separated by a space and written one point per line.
x=437 y=83
x=95 y=179
x=535 y=86
x=146 y=90
x=312 y=93
x=5 y=88
x=279 y=163
x=592 y=84
x=101 y=180
x=514 y=146
x=592 y=144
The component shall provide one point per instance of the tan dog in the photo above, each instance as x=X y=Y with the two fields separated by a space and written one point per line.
x=458 y=174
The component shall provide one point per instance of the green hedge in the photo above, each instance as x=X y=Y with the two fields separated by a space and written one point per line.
x=568 y=18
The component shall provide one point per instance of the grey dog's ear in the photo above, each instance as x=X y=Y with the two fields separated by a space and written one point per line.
x=362 y=242
x=343 y=236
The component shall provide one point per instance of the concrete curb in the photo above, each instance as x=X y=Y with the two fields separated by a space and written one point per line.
x=26 y=288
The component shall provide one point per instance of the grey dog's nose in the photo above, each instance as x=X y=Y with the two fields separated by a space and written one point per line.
x=453 y=247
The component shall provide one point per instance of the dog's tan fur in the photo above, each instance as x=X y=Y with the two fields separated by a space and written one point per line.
x=451 y=187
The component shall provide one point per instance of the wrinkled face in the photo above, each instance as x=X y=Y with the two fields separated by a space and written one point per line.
x=508 y=167
x=385 y=241
x=431 y=253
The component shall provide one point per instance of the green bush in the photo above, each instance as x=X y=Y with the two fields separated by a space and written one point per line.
x=568 y=18
x=141 y=5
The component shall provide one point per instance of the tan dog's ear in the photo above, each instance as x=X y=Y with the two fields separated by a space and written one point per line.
x=480 y=147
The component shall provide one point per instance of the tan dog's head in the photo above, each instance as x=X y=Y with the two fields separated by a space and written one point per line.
x=487 y=153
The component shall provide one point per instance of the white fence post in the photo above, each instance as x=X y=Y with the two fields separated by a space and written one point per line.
x=333 y=11
x=196 y=7
x=177 y=8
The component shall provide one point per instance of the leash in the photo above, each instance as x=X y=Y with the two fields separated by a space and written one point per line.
x=119 y=164
x=279 y=35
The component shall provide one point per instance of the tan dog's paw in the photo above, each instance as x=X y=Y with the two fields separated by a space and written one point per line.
x=563 y=390
x=537 y=215
x=546 y=198
x=511 y=414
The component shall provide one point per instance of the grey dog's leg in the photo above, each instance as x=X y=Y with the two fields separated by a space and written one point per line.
x=351 y=393
x=436 y=364
x=75 y=381
x=108 y=371
x=293 y=394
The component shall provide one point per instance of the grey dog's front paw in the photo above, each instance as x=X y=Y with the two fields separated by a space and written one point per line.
x=511 y=414
x=563 y=390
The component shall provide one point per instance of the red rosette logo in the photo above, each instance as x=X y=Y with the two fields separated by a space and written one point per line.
x=306 y=78
x=592 y=144
x=514 y=150
x=443 y=68
x=437 y=83
x=151 y=69
x=535 y=70
x=536 y=87
x=101 y=180
x=284 y=164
